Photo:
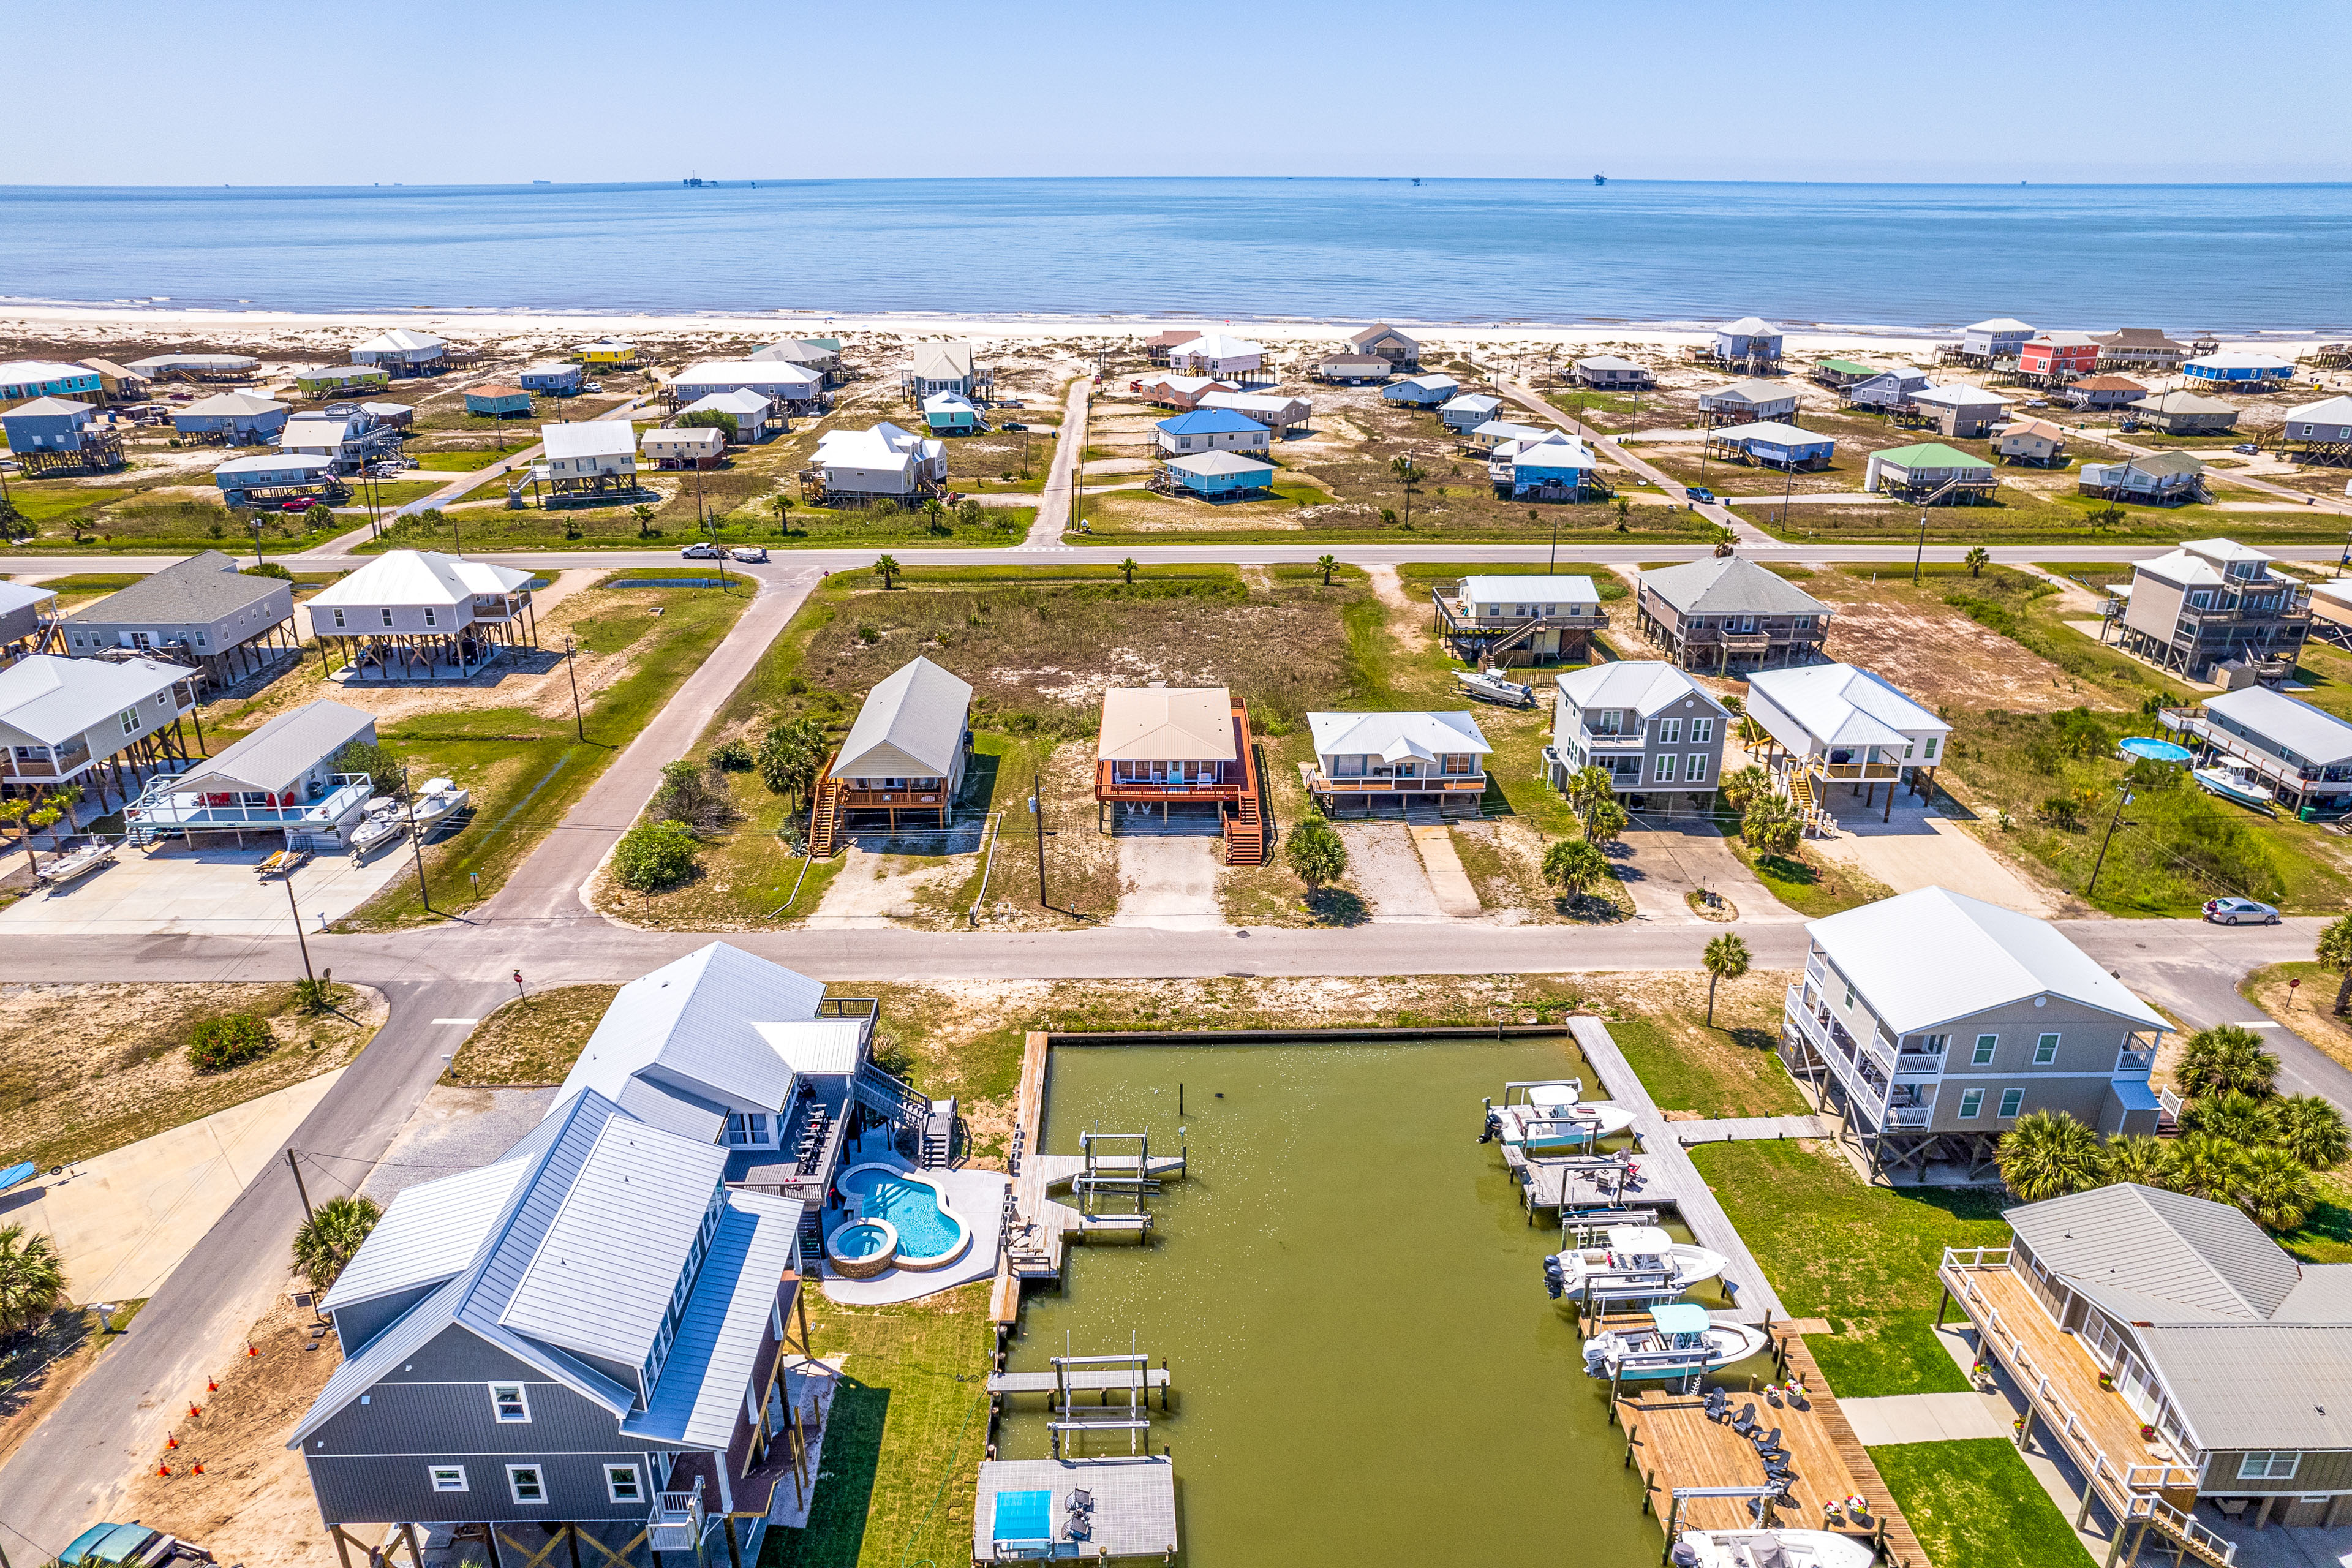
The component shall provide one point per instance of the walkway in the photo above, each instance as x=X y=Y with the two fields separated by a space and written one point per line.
x=1054 y=500
x=1725 y=1129
x=1927 y=1417
x=1615 y=451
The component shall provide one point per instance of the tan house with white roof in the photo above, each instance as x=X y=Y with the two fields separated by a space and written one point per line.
x=1181 y=748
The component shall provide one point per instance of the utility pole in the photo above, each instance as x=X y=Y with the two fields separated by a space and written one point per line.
x=307 y=971
x=579 y=724
x=2113 y=823
x=295 y=1166
x=415 y=839
x=1037 y=810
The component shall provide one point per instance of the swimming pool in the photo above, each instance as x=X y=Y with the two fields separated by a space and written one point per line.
x=930 y=1234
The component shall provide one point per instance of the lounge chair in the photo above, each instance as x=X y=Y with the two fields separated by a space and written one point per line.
x=1770 y=1440
x=1746 y=1426
x=1718 y=1405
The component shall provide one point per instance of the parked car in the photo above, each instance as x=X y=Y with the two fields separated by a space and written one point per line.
x=299 y=503
x=591 y=386
x=133 y=1545
x=2247 y=447
x=2240 y=911
x=1699 y=493
x=755 y=552
x=1013 y=424
x=703 y=549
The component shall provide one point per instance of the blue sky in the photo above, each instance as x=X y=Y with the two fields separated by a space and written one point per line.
x=500 y=90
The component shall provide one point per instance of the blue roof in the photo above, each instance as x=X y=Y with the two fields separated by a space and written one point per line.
x=1211 y=421
x=1680 y=1317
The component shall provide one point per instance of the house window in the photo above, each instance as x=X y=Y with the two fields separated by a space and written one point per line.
x=1461 y=763
x=745 y=1127
x=200 y=639
x=1971 y=1102
x=1931 y=747
x=2274 y=1465
x=1702 y=731
x=387 y=617
x=1933 y=1045
x=1985 y=1044
x=1670 y=731
x=623 y=1484
x=429 y=613
x=447 y=1477
x=130 y=720
x=2012 y=1100
x=339 y=617
x=2045 y=1050
x=527 y=1482
x=1666 y=771
x=507 y=1399
x=1695 y=768
x=1348 y=767
x=1849 y=998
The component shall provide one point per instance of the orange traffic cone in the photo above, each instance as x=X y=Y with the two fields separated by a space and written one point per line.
x=211 y=1387
x=195 y=1411
x=163 y=1469
x=170 y=1441
x=199 y=1468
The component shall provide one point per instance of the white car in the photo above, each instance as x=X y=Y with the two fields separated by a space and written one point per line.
x=703 y=549
x=2240 y=911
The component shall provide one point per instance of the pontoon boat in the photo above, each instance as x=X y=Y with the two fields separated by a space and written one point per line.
x=1641 y=1263
x=1681 y=1339
x=1552 y=1119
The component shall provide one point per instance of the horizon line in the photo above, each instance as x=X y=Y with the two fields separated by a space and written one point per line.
x=747 y=181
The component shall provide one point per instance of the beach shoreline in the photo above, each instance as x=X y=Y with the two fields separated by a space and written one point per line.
x=288 y=331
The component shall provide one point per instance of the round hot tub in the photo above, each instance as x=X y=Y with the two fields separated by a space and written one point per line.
x=863 y=1249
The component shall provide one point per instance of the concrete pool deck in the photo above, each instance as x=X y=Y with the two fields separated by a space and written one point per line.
x=978 y=1199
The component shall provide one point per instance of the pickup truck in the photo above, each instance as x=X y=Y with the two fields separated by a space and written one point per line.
x=1699 y=493
x=133 y=1545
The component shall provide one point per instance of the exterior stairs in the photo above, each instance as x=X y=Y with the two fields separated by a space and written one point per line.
x=824 y=819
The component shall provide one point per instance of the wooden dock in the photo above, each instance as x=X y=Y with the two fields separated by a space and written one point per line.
x=1673 y=1443
x=1085 y=1379
x=1028 y=1119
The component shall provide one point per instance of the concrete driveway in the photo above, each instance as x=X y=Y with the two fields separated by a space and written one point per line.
x=123 y=1221
x=1169 y=882
x=1919 y=847
x=203 y=892
x=1666 y=858
x=1387 y=870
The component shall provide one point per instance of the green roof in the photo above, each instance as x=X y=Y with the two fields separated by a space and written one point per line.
x=1849 y=367
x=1931 y=455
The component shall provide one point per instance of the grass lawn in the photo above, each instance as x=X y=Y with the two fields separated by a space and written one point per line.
x=1729 y=1069
x=98 y=519
x=534 y=1039
x=524 y=769
x=910 y=1427
x=743 y=517
x=1811 y=882
x=1973 y=1504
x=1419 y=576
x=1863 y=1256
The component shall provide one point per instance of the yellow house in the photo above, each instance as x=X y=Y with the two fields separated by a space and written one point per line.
x=607 y=352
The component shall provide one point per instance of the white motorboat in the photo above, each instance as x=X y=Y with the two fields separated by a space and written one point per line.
x=439 y=801
x=1681 y=1339
x=1640 y=1263
x=1770 y=1549
x=383 y=824
x=80 y=860
x=2234 y=781
x=1552 y=1119
x=1495 y=687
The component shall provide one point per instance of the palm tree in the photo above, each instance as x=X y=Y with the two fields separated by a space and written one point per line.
x=1327 y=564
x=1126 y=572
x=1605 y=821
x=934 y=508
x=2222 y=1057
x=330 y=1237
x=2312 y=1130
x=2136 y=1157
x=1587 y=787
x=1771 y=826
x=889 y=568
x=2335 y=952
x=1573 y=865
x=1726 y=959
x=1316 y=853
x=2240 y=1118
x=1977 y=560
x=1741 y=785
x=32 y=1279
x=2276 y=1190
x=2206 y=1165
x=644 y=516
x=2049 y=1154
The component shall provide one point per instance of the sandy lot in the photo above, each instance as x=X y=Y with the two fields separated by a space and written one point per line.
x=877 y=890
x=1170 y=882
x=1939 y=655
x=1387 y=871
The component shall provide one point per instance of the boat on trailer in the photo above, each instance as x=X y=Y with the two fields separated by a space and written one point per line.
x=1681 y=1340
x=2235 y=782
x=435 y=803
x=1493 y=686
x=1639 y=1263
x=1770 y=1549
x=77 y=861
x=381 y=824
x=1539 y=1119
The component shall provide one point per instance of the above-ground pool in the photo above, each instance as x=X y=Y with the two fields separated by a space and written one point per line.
x=929 y=1232
x=863 y=1249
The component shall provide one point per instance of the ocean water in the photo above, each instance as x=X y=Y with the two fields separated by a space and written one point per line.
x=2233 y=258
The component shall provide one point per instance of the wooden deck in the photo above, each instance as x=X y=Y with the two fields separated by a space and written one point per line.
x=1028 y=1121
x=2133 y=1478
x=1673 y=1443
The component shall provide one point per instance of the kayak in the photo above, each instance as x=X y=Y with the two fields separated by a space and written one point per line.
x=17 y=1173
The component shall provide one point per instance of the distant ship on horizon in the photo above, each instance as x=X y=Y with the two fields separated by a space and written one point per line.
x=1599 y=179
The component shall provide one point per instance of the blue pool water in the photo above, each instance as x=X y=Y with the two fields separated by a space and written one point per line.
x=859 y=1240
x=1025 y=1516
x=913 y=1207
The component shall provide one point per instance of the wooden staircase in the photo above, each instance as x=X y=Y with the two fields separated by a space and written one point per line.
x=1246 y=831
x=824 y=819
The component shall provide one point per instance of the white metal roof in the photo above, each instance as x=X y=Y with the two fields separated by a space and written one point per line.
x=52 y=698
x=1999 y=324
x=232 y=402
x=1553 y=448
x=400 y=339
x=2242 y=360
x=690 y=435
x=590 y=439
x=1959 y=394
x=2327 y=411
x=713 y=1364
x=14 y=370
x=429 y=1233
x=1927 y=957
x=1840 y=705
x=740 y=401
x=1167 y=723
x=16 y=596
x=1750 y=327
x=1645 y=685
x=2225 y=550
x=911 y=725
x=1217 y=346
x=1750 y=391
x=1772 y=430
x=276 y=756
x=693 y=1023
x=406 y=577
x=734 y=373
x=2166 y=1246
x=884 y=446
x=2185 y=402
x=1470 y=402
x=942 y=362
x=1396 y=736
x=50 y=406
x=1561 y=588
x=816 y=1048
x=2312 y=734
x=1606 y=361
x=1218 y=463
x=1501 y=430
x=948 y=403
x=319 y=430
x=276 y=463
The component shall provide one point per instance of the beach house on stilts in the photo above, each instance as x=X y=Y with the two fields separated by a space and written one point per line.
x=904 y=758
x=97 y=722
x=418 y=615
x=1187 y=752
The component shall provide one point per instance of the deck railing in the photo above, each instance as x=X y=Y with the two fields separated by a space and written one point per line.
x=1415 y=784
x=2128 y=1490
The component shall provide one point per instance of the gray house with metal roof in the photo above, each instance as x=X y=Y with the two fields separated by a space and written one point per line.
x=584 y=1336
x=1726 y=614
x=203 y=610
x=2216 y=1361
x=2303 y=754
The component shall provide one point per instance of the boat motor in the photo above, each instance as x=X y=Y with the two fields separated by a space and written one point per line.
x=1554 y=1285
x=1494 y=1128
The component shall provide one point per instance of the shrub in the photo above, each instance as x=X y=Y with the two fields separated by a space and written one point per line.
x=732 y=757
x=687 y=796
x=1771 y=826
x=263 y=568
x=319 y=995
x=229 y=1041
x=380 y=767
x=654 y=854
x=1316 y=853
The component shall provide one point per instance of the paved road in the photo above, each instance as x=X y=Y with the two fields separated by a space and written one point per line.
x=1054 y=500
x=1615 y=451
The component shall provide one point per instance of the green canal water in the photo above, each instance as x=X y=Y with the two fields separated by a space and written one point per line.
x=1350 y=1302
